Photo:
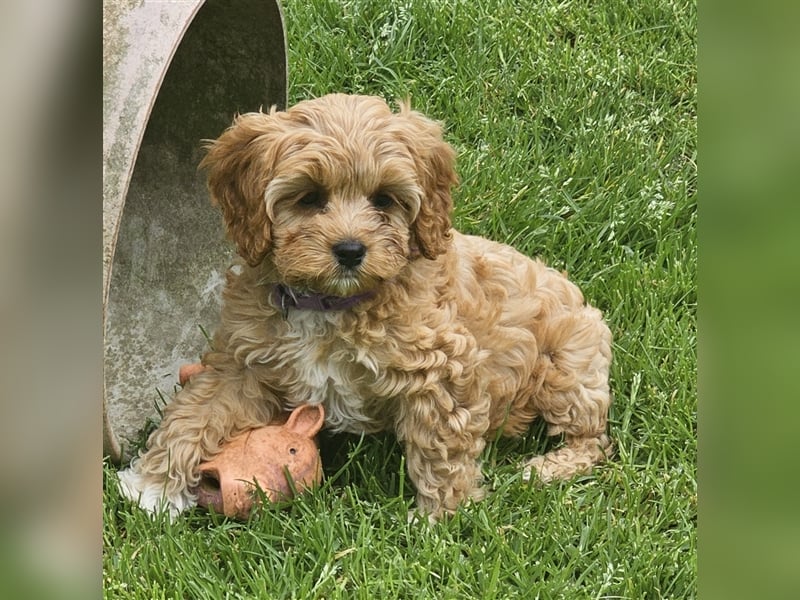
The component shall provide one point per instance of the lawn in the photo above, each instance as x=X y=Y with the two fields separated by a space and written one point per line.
x=575 y=126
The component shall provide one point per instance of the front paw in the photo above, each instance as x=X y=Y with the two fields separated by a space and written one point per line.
x=416 y=516
x=433 y=510
x=151 y=496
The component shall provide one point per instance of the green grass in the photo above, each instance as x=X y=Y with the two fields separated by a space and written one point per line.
x=575 y=126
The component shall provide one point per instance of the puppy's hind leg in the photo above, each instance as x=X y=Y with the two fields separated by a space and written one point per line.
x=574 y=397
x=212 y=407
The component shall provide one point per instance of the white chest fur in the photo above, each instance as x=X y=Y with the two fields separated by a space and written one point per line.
x=329 y=371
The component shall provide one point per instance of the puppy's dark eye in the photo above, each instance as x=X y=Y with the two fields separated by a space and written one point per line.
x=313 y=199
x=382 y=201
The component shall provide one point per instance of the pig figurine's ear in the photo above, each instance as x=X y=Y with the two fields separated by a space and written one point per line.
x=306 y=420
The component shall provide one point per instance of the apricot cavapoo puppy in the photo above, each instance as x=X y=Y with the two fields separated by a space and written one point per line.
x=355 y=292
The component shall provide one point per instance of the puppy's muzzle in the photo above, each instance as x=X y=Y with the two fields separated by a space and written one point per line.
x=349 y=253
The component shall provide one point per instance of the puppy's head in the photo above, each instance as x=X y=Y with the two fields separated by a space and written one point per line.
x=340 y=193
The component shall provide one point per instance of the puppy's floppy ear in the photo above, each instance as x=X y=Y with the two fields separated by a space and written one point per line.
x=239 y=165
x=435 y=163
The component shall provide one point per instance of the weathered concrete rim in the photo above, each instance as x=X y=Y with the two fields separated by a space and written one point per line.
x=121 y=89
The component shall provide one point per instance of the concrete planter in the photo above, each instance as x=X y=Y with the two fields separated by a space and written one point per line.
x=175 y=73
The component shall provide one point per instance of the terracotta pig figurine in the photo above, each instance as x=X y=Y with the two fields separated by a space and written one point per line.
x=263 y=456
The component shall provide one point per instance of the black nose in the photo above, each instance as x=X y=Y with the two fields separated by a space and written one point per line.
x=350 y=253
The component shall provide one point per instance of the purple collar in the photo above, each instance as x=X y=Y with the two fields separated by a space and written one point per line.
x=285 y=298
